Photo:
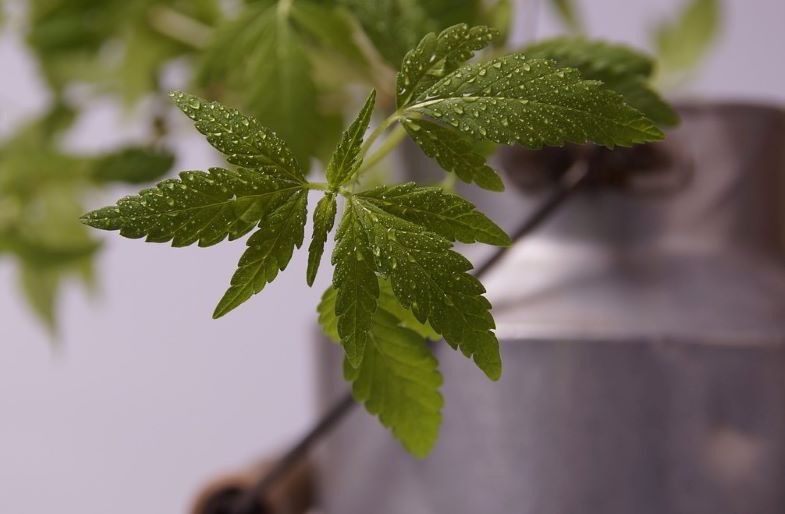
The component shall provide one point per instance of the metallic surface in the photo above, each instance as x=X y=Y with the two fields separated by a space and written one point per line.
x=643 y=339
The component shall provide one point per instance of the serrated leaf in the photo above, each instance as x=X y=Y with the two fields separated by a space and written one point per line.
x=437 y=56
x=199 y=207
x=533 y=102
x=454 y=152
x=323 y=221
x=639 y=94
x=596 y=60
x=269 y=251
x=41 y=287
x=133 y=165
x=345 y=160
x=432 y=281
x=332 y=29
x=243 y=140
x=683 y=42
x=398 y=379
x=619 y=67
x=327 y=317
x=356 y=284
x=389 y=303
x=437 y=211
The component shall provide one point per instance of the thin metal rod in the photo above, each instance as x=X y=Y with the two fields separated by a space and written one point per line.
x=571 y=182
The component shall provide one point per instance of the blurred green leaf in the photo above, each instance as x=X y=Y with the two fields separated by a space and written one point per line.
x=621 y=68
x=259 y=63
x=683 y=42
x=568 y=14
x=133 y=165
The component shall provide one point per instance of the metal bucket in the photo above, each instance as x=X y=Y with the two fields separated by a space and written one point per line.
x=643 y=340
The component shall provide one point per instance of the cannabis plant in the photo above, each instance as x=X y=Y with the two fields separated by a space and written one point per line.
x=397 y=279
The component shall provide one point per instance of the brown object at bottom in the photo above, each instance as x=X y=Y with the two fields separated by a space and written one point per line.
x=293 y=494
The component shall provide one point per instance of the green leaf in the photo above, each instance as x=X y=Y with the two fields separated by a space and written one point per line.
x=41 y=288
x=398 y=379
x=345 y=160
x=619 y=67
x=356 y=284
x=437 y=211
x=323 y=221
x=430 y=279
x=269 y=251
x=199 y=206
x=533 y=102
x=389 y=303
x=327 y=317
x=243 y=140
x=437 y=56
x=133 y=165
x=683 y=42
x=259 y=62
x=454 y=152
x=568 y=13
x=596 y=60
x=394 y=26
x=331 y=28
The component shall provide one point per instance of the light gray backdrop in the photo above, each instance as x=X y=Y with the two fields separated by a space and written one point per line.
x=150 y=397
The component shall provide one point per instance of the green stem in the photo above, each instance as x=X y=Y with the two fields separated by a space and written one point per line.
x=180 y=27
x=390 y=144
x=377 y=133
x=318 y=186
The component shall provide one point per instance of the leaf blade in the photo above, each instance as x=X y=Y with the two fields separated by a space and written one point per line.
x=454 y=152
x=269 y=251
x=431 y=280
x=355 y=280
x=323 y=221
x=532 y=102
x=197 y=207
x=345 y=160
x=436 y=56
x=398 y=379
x=437 y=211
x=243 y=140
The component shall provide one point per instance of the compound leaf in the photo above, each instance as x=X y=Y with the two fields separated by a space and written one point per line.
x=533 y=102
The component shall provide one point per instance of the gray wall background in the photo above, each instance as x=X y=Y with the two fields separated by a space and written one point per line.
x=148 y=397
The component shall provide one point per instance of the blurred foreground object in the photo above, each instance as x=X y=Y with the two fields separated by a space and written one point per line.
x=228 y=495
x=643 y=332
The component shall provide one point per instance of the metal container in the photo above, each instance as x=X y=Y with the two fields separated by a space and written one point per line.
x=643 y=340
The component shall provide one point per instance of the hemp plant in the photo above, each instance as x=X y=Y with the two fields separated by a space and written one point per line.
x=397 y=279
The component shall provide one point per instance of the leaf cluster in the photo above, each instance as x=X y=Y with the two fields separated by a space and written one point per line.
x=397 y=278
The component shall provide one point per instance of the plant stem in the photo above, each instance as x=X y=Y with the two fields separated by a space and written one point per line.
x=318 y=186
x=390 y=144
x=377 y=133
x=179 y=27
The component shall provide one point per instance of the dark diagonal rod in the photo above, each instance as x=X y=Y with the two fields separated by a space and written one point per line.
x=569 y=184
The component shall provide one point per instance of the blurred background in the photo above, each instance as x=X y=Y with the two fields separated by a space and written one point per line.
x=136 y=397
